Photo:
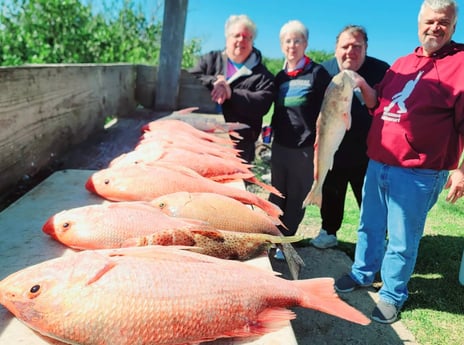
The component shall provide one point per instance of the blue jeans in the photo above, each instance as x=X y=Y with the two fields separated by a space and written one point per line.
x=395 y=203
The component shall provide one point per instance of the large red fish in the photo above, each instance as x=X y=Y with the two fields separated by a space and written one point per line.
x=159 y=295
x=229 y=214
x=122 y=224
x=140 y=182
x=211 y=166
x=218 y=210
x=110 y=225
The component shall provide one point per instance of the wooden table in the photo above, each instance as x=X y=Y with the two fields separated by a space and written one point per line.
x=22 y=243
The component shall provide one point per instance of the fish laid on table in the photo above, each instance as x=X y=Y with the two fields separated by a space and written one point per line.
x=109 y=225
x=220 y=211
x=123 y=224
x=214 y=242
x=179 y=140
x=159 y=295
x=142 y=182
x=210 y=123
x=213 y=167
x=226 y=213
x=174 y=127
x=332 y=123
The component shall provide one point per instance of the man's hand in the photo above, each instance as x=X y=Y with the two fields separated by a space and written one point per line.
x=221 y=90
x=455 y=184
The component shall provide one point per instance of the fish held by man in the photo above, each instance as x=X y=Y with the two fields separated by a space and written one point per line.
x=332 y=123
x=113 y=291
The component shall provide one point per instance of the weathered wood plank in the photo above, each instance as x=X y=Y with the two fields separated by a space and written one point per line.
x=46 y=109
x=172 y=43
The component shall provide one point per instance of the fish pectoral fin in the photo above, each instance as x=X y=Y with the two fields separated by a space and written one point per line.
x=98 y=274
x=347 y=119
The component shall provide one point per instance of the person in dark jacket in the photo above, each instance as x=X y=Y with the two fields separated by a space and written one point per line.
x=300 y=87
x=240 y=84
x=350 y=160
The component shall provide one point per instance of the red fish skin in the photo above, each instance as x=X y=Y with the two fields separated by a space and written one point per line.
x=114 y=292
x=178 y=126
x=110 y=225
x=210 y=166
x=192 y=144
x=146 y=182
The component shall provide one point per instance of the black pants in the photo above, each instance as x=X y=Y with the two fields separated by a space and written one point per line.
x=334 y=194
x=292 y=174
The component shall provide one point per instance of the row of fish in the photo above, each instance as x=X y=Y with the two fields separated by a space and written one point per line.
x=164 y=295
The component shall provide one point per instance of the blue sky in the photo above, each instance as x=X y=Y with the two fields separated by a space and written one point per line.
x=391 y=25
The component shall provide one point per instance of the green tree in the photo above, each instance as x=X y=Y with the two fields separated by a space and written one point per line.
x=275 y=65
x=67 y=31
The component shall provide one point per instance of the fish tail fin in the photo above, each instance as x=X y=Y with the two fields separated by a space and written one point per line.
x=269 y=207
x=286 y=239
x=320 y=295
x=294 y=260
x=235 y=135
x=265 y=186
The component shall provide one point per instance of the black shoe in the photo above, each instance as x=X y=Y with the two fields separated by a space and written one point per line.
x=348 y=284
x=385 y=312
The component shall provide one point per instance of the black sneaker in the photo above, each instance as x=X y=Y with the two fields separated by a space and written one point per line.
x=347 y=284
x=385 y=312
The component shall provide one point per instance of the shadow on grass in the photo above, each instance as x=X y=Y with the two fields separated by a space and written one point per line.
x=434 y=284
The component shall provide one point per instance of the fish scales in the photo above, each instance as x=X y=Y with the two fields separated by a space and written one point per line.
x=141 y=182
x=139 y=296
x=332 y=123
x=218 y=210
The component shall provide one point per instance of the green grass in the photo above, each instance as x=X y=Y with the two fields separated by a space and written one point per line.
x=434 y=312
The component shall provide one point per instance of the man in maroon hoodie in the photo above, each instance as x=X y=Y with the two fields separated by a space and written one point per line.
x=416 y=138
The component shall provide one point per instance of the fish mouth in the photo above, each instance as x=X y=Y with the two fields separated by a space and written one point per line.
x=49 y=227
x=90 y=186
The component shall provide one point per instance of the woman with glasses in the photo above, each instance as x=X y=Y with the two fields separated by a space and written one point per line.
x=239 y=82
x=300 y=90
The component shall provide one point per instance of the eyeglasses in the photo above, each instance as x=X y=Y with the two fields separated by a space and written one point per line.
x=242 y=36
x=296 y=41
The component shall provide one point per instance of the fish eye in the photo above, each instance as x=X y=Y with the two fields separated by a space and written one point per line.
x=66 y=225
x=162 y=205
x=34 y=291
x=106 y=181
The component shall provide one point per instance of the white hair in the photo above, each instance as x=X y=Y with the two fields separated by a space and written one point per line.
x=240 y=19
x=440 y=5
x=294 y=26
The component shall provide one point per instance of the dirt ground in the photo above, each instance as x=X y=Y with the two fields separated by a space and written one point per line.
x=310 y=327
